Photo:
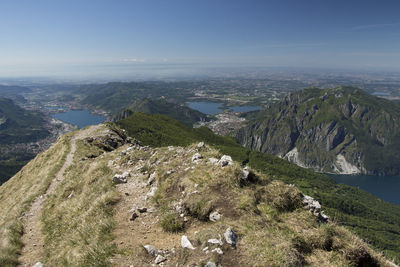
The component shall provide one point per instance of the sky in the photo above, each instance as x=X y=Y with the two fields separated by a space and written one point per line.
x=93 y=36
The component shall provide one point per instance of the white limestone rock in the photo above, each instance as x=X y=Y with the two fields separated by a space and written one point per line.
x=230 y=237
x=225 y=161
x=185 y=243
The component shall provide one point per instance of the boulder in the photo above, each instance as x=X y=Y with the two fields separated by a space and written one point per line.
x=230 y=237
x=152 y=192
x=215 y=241
x=225 y=161
x=311 y=204
x=322 y=217
x=213 y=161
x=159 y=259
x=215 y=216
x=185 y=242
x=247 y=175
x=119 y=179
x=200 y=145
x=152 y=178
x=196 y=157
x=217 y=250
x=134 y=216
x=151 y=250
x=142 y=209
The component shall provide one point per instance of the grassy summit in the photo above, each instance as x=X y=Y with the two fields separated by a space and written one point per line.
x=168 y=197
x=374 y=220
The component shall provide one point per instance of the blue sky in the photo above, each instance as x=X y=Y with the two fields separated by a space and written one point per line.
x=44 y=36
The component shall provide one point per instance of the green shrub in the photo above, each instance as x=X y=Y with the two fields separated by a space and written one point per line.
x=170 y=222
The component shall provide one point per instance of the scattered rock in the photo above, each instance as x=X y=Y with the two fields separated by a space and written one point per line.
x=225 y=160
x=185 y=243
x=38 y=264
x=152 y=178
x=230 y=237
x=126 y=174
x=311 y=204
x=215 y=241
x=194 y=192
x=142 y=210
x=215 y=216
x=151 y=250
x=152 y=191
x=170 y=172
x=134 y=216
x=200 y=145
x=196 y=157
x=159 y=259
x=210 y=264
x=205 y=249
x=315 y=207
x=71 y=195
x=322 y=217
x=213 y=161
x=119 y=179
x=217 y=250
x=247 y=175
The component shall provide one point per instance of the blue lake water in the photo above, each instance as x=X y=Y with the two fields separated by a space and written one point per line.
x=215 y=108
x=384 y=187
x=206 y=107
x=80 y=118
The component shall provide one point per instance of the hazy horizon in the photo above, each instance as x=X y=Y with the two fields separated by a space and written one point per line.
x=122 y=39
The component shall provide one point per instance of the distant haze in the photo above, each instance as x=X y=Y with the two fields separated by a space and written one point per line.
x=119 y=39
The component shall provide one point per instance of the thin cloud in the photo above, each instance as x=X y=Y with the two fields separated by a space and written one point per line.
x=133 y=60
x=289 y=45
x=374 y=26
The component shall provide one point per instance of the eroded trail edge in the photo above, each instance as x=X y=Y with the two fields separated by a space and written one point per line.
x=33 y=240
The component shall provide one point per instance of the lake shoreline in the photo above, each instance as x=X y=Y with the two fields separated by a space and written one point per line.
x=386 y=188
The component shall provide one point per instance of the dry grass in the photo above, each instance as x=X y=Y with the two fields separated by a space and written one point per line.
x=17 y=194
x=78 y=229
x=83 y=228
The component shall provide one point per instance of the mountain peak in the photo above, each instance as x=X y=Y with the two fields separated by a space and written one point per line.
x=99 y=197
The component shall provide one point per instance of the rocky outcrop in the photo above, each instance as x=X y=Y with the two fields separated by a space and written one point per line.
x=342 y=130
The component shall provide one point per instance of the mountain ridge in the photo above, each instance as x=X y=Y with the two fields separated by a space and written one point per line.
x=341 y=130
x=89 y=220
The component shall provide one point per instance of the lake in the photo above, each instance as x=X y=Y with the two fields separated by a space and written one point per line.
x=80 y=118
x=384 y=187
x=215 y=108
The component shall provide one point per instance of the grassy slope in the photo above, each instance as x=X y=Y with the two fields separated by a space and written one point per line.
x=179 y=112
x=373 y=219
x=17 y=194
x=22 y=126
x=266 y=215
x=78 y=228
x=115 y=96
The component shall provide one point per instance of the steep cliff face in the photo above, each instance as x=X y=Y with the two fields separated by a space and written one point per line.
x=342 y=130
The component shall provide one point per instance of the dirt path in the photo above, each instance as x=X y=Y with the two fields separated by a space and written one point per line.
x=33 y=252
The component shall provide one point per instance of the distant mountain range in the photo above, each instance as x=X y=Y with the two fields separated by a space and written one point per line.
x=342 y=130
